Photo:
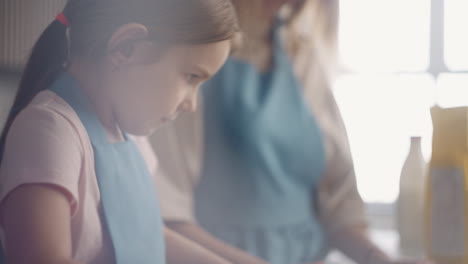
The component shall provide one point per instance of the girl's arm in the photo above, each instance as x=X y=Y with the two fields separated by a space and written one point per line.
x=36 y=220
x=200 y=236
x=181 y=250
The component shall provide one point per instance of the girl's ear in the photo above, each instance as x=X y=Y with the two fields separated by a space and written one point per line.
x=121 y=45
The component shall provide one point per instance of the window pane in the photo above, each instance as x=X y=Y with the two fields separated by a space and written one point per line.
x=385 y=35
x=381 y=113
x=456 y=38
x=452 y=90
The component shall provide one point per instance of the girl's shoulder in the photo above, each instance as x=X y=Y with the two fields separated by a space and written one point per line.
x=49 y=103
x=49 y=117
x=44 y=145
x=49 y=109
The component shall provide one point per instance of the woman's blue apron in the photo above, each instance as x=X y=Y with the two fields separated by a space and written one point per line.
x=264 y=157
x=128 y=194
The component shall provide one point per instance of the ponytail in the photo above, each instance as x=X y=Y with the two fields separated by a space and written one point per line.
x=48 y=58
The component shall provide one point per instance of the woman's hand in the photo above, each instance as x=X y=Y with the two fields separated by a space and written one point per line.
x=380 y=258
x=182 y=250
x=394 y=262
x=218 y=247
x=355 y=243
x=404 y=261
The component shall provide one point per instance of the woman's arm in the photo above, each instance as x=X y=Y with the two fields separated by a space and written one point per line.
x=36 y=220
x=200 y=236
x=354 y=242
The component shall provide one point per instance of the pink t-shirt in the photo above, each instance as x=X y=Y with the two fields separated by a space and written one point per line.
x=48 y=144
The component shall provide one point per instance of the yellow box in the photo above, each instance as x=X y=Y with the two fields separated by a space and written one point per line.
x=447 y=200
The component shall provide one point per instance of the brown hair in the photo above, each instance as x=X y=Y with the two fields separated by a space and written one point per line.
x=169 y=21
x=92 y=23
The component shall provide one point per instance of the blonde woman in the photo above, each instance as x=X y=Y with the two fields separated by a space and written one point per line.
x=276 y=179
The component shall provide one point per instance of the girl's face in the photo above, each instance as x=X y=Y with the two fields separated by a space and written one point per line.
x=146 y=91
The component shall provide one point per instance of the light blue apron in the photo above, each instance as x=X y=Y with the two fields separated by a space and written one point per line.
x=128 y=195
x=264 y=156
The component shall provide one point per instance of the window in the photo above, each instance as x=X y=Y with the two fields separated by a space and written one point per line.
x=401 y=57
x=385 y=35
x=456 y=40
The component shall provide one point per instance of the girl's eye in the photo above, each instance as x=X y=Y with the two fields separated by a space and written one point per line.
x=192 y=78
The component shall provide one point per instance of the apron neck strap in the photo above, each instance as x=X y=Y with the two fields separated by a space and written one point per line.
x=69 y=90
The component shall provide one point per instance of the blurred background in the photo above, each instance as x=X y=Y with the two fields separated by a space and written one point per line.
x=398 y=58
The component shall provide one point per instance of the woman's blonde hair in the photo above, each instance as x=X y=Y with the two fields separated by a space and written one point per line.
x=310 y=23
x=314 y=23
x=322 y=16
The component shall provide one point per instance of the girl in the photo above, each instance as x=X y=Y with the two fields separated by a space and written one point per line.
x=277 y=178
x=74 y=186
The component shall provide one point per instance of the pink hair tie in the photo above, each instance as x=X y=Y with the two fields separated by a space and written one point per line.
x=62 y=19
